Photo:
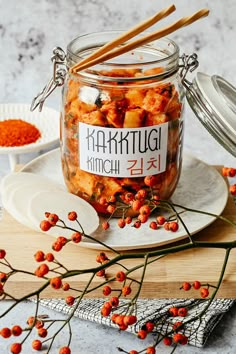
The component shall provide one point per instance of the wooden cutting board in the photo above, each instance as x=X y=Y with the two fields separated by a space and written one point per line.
x=163 y=278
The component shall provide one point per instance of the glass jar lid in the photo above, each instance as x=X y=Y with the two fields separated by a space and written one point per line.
x=213 y=100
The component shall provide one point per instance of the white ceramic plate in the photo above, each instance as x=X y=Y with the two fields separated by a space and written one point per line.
x=47 y=121
x=200 y=187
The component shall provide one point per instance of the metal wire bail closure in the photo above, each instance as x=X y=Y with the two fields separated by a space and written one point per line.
x=190 y=63
x=58 y=79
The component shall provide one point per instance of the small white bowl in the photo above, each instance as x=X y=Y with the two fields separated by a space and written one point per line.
x=47 y=121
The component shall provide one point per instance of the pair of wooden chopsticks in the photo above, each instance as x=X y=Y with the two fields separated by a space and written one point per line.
x=107 y=51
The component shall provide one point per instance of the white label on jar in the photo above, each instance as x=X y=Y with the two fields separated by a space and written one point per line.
x=123 y=152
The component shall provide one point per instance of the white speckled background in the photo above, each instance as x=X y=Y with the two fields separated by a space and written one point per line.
x=30 y=29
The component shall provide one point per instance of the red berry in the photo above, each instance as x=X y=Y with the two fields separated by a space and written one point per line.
x=39 y=256
x=167 y=341
x=204 y=292
x=45 y=225
x=156 y=199
x=42 y=332
x=182 y=312
x=161 y=220
x=173 y=226
x=105 y=311
x=136 y=205
x=141 y=194
x=150 y=350
x=2 y=253
x=70 y=300
x=120 y=276
x=72 y=215
x=153 y=225
x=145 y=209
x=53 y=219
x=66 y=286
x=111 y=209
x=143 y=218
x=129 y=320
x=196 y=285
x=128 y=220
x=126 y=290
x=107 y=305
x=76 y=237
x=56 y=283
x=176 y=325
x=113 y=317
x=119 y=320
x=106 y=290
x=142 y=334
x=49 y=257
x=30 y=321
x=105 y=225
x=173 y=311
x=149 y=326
x=186 y=286
x=184 y=340
x=114 y=301
x=65 y=350
x=121 y=223
x=137 y=224
x=133 y=352
x=150 y=181
x=167 y=226
x=128 y=197
x=57 y=246
x=5 y=332
x=16 y=331
x=16 y=348
x=42 y=270
x=177 y=337
x=100 y=273
x=37 y=344
x=232 y=189
x=39 y=324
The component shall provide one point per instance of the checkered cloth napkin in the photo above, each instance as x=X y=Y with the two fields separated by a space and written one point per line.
x=154 y=310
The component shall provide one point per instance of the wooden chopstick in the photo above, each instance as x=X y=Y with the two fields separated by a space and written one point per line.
x=184 y=21
x=134 y=31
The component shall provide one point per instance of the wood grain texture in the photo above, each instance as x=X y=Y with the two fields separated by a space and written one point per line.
x=163 y=278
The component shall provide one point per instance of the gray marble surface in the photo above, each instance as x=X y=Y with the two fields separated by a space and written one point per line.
x=30 y=29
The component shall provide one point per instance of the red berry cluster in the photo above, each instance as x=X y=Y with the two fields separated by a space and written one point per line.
x=177 y=337
x=230 y=172
x=204 y=291
x=140 y=205
x=61 y=241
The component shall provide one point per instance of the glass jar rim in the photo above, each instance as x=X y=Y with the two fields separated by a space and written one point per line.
x=170 y=53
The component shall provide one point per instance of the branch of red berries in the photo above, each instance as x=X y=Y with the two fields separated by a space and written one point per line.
x=114 y=284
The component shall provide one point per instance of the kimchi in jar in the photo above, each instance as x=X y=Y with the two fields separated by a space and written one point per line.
x=122 y=120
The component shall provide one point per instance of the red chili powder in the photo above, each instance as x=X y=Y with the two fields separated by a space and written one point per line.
x=17 y=132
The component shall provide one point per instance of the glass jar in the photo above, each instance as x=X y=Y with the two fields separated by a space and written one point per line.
x=122 y=120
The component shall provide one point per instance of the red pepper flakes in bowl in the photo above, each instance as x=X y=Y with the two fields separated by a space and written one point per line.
x=17 y=132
